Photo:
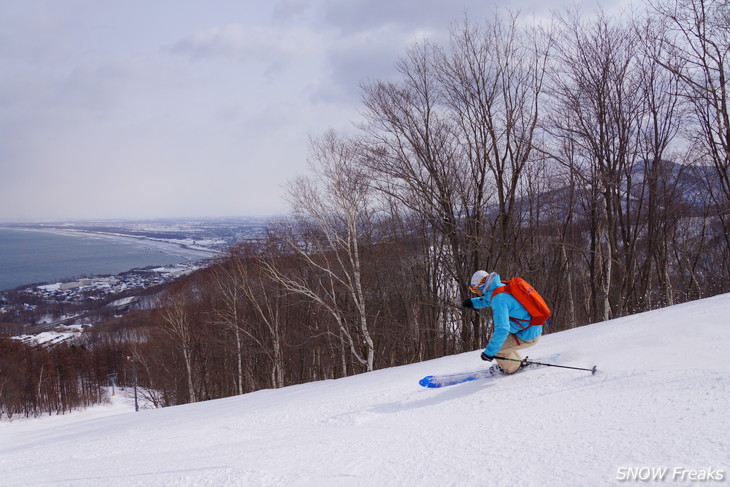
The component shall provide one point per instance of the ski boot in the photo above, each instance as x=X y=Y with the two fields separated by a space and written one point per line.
x=497 y=369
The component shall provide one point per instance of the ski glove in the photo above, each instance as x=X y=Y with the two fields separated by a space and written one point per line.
x=486 y=357
x=467 y=304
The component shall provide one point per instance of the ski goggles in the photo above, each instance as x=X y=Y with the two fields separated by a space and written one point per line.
x=483 y=284
x=479 y=287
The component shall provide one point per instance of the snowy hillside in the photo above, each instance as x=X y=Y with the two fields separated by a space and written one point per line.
x=659 y=405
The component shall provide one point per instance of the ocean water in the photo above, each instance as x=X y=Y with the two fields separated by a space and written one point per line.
x=28 y=257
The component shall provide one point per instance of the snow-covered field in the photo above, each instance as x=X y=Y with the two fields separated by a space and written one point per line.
x=658 y=407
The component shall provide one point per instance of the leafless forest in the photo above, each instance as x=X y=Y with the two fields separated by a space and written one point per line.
x=588 y=155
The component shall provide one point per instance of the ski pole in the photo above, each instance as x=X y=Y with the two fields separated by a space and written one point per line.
x=527 y=362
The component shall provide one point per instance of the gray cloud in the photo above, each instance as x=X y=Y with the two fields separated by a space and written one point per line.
x=186 y=108
x=362 y=15
x=371 y=37
x=259 y=42
x=292 y=10
x=358 y=59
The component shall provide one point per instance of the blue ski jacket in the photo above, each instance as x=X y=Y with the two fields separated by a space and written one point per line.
x=505 y=306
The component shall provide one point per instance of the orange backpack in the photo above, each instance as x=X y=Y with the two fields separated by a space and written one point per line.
x=527 y=297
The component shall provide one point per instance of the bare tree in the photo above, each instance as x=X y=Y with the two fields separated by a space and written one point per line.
x=698 y=39
x=660 y=126
x=228 y=281
x=333 y=214
x=176 y=323
x=454 y=136
x=595 y=114
x=492 y=81
x=265 y=297
x=245 y=307
x=414 y=156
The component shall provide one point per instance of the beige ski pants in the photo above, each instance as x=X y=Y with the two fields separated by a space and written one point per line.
x=509 y=350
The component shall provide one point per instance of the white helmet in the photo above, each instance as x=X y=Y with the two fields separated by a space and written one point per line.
x=481 y=280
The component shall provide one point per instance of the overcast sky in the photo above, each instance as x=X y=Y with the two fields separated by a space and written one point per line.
x=178 y=108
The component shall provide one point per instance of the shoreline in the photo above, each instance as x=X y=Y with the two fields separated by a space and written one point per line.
x=181 y=250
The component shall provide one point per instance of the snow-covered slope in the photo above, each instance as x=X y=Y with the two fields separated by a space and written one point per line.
x=661 y=400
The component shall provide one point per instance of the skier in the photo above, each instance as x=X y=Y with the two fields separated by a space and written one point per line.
x=512 y=329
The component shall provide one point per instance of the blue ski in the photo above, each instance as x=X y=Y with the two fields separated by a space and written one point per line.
x=452 y=379
x=432 y=381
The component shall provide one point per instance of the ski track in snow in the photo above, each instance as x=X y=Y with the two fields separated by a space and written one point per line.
x=659 y=399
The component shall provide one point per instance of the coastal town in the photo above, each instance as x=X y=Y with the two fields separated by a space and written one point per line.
x=50 y=313
x=59 y=311
x=94 y=288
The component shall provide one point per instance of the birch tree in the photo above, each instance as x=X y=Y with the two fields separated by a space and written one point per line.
x=228 y=281
x=332 y=218
x=176 y=324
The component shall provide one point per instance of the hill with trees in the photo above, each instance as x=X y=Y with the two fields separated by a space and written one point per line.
x=589 y=156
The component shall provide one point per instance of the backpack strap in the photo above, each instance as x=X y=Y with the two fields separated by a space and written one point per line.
x=519 y=322
x=501 y=289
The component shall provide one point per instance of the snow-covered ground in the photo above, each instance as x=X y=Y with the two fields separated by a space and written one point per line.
x=659 y=406
x=60 y=334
